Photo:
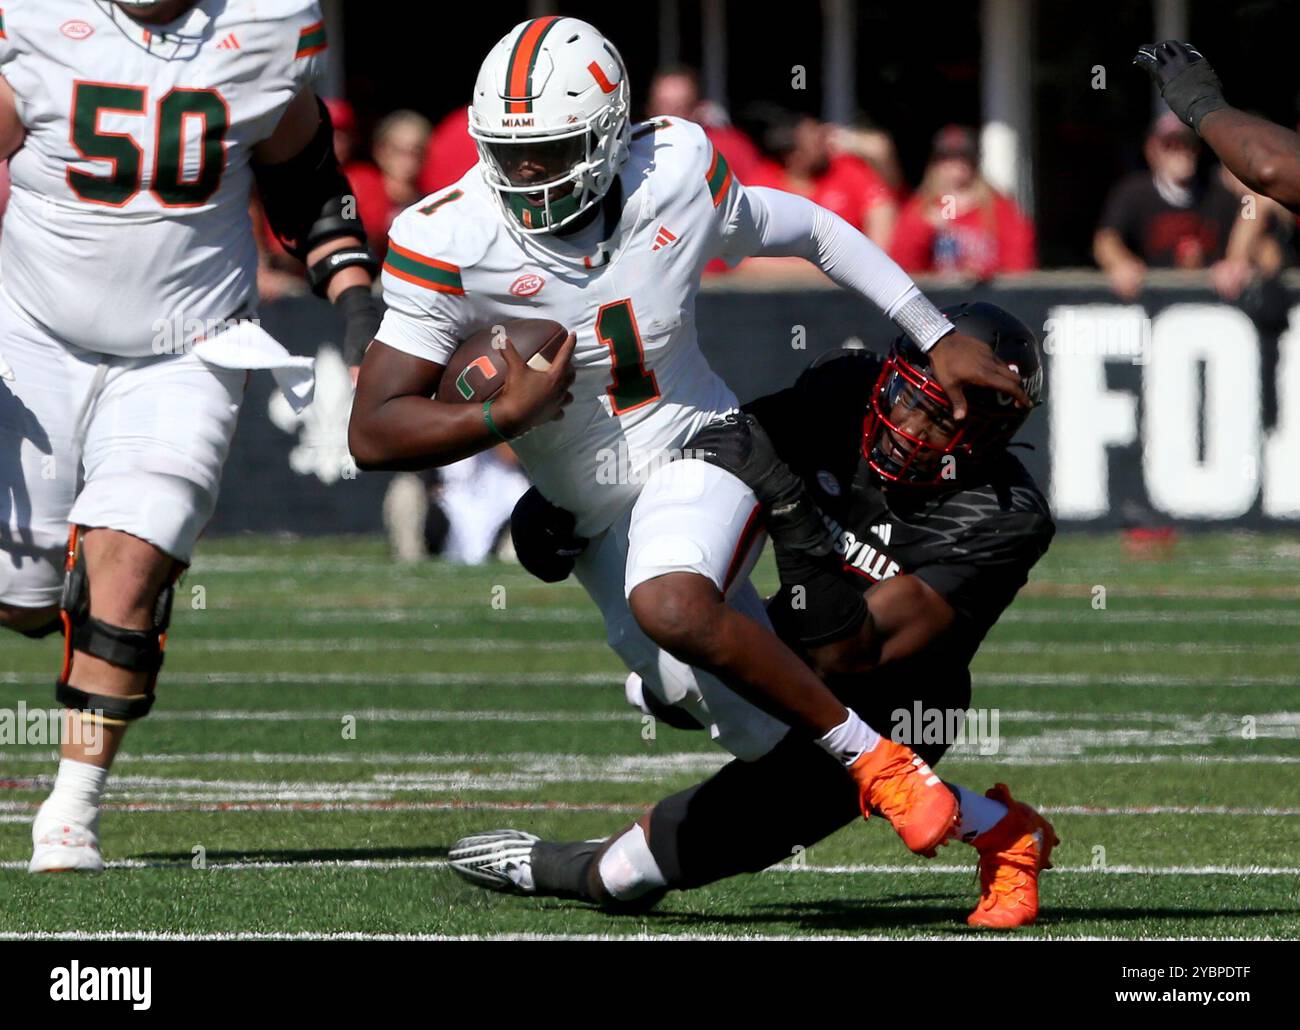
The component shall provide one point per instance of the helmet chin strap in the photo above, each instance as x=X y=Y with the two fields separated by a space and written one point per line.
x=610 y=207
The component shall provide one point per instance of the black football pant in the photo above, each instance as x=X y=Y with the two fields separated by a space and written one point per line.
x=751 y=815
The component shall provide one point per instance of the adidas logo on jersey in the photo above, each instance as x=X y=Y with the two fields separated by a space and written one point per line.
x=663 y=237
x=231 y=42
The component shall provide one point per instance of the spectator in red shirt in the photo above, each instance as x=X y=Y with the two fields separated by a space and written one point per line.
x=803 y=162
x=344 y=120
x=450 y=153
x=385 y=188
x=675 y=93
x=956 y=223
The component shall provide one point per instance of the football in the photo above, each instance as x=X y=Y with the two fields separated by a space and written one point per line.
x=477 y=370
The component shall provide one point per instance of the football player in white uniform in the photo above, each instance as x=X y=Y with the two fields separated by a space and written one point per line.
x=134 y=133
x=572 y=214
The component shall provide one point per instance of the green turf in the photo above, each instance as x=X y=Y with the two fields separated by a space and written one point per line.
x=1162 y=730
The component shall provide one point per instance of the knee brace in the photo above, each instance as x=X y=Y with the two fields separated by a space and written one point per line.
x=139 y=650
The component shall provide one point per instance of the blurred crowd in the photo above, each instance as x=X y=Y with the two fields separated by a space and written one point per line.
x=1175 y=213
x=953 y=223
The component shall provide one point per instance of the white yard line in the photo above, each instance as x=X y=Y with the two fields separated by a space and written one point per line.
x=453 y=645
x=388 y=715
x=1140 y=647
x=1277 y=616
x=587 y=614
x=364 y=679
x=616 y=678
x=479 y=645
x=20 y=811
x=875 y=869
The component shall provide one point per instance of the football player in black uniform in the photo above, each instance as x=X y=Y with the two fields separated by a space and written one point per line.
x=900 y=535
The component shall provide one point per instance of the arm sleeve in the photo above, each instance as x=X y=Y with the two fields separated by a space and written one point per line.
x=821 y=605
x=773 y=223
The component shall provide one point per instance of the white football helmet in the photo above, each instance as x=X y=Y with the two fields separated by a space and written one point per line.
x=550 y=117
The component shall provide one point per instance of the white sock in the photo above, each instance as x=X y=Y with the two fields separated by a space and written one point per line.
x=978 y=813
x=850 y=740
x=628 y=869
x=76 y=793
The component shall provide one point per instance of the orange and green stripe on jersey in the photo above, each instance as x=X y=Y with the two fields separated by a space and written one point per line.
x=719 y=177
x=433 y=206
x=311 y=40
x=428 y=272
x=523 y=58
x=3 y=35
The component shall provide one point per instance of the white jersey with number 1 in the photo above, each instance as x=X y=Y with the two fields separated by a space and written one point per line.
x=130 y=192
x=643 y=387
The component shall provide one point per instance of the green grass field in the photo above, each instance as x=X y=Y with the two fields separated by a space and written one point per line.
x=1161 y=734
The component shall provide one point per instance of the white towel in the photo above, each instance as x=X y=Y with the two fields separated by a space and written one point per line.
x=247 y=345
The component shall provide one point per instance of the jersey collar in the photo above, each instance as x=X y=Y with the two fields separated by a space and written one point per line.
x=176 y=41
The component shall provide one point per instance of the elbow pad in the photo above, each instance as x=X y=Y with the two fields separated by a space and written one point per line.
x=309 y=201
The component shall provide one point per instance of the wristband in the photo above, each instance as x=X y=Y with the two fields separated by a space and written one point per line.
x=922 y=321
x=487 y=417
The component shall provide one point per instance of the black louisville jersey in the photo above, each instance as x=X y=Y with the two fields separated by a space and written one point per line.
x=973 y=543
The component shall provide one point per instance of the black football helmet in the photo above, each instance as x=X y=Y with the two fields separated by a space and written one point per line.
x=910 y=429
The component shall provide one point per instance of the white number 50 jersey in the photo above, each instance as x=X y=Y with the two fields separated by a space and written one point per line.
x=130 y=191
x=642 y=386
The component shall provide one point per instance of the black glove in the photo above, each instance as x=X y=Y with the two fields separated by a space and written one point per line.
x=543 y=535
x=360 y=311
x=1185 y=78
x=738 y=444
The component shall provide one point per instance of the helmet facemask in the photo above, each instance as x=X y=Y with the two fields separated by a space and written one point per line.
x=910 y=435
x=544 y=182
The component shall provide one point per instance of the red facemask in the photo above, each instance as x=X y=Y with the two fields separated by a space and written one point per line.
x=910 y=435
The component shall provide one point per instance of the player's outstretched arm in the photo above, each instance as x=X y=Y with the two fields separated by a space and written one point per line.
x=1266 y=157
x=774 y=223
x=904 y=615
x=396 y=423
x=313 y=212
x=12 y=132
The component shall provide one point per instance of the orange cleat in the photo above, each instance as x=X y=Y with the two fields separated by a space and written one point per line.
x=1012 y=854
x=894 y=781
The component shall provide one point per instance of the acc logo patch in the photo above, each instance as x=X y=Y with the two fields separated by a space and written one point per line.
x=77 y=29
x=829 y=484
x=527 y=284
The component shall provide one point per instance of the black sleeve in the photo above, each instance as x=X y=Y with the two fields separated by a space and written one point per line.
x=820 y=416
x=817 y=423
x=989 y=564
x=817 y=604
